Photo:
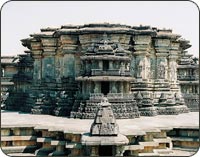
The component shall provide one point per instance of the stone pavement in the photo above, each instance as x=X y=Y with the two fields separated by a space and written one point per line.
x=137 y=126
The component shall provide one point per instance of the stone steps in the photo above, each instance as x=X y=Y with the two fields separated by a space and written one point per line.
x=148 y=144
x=186 y=139
x=18 y=138
x=163 y=151
x=134 y=147
x=44 y=151
x=21 y=154
x=18 y=149
x=43 y=141
x=148 y=154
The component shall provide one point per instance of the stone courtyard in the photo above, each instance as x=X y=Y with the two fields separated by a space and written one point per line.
x=156 y=130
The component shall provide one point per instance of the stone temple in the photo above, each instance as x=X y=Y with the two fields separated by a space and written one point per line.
x=102 y=72
x=68 y=70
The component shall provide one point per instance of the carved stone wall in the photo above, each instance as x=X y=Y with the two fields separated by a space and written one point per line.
x=109 y=59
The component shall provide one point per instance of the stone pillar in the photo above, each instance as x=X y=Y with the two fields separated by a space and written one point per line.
x=121 y=87
x=113 y=88
x=119 y=151
x=101 y=64
x=172 y=69
x=162 y=66
x=58 y=67
x=142 y=45
x=37 y=70
x=126 y=87
x=94 y=151
x=96 y=87
x=83 y=87
x=110 y=64
x=48 y=65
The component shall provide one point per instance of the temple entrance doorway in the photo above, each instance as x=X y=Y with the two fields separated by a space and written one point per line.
x=105 y=151
x=105 y=65
x=105 y=87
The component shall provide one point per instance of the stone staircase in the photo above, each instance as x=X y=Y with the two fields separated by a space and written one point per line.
x=45 y=141
x=153 y=143
x=20 y=140
x=185 y=138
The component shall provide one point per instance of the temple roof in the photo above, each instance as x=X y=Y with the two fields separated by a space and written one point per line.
x=105 y=28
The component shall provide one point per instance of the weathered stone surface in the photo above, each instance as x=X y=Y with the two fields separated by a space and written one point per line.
x=135 y=67
x=104 y=122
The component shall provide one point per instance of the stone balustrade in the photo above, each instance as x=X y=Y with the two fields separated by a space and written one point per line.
x=188 y=77
x=109 y=72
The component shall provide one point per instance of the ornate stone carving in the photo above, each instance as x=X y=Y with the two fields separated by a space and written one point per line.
x=161 y=71
x=104 y=123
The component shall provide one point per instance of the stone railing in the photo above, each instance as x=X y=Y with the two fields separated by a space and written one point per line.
x=188 y=77
x=112 y=96
x=192 y=101
x=6 y=79
x=109 y=72
x=190 y=95
x=96 y=95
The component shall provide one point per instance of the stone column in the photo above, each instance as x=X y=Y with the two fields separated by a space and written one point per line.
x=127 y=87
x=96 y=87
x=121 y=87
x=83 y=87
x=172 y=69
x=48 y=65
x=113 y=88
x=58 y=67
x=37 y=70
x=119 y=151
x=101 y=64
x=142 y=45
x=94 y=151
x=162 y=66
x=110 y=65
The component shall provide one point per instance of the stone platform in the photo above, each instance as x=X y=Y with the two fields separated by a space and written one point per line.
x=135 y=126
x=162 y=135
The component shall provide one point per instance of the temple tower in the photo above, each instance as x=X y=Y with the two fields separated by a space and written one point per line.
x=106 y=72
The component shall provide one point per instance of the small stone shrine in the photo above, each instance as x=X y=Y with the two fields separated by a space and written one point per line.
x=104 y=138
x=104 y=122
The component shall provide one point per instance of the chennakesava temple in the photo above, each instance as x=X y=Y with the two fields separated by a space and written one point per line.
x=102 y=72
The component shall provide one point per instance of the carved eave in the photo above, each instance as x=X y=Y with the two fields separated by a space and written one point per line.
x=27 y=51
x=70 y=26
x=105 y=24
x=105 y=78
x=65 y=31
x=150 y=32
x=49 y=29
x=184 y=44
x=110 y=30
x=168 y=35
x=27 y=42
x=42 y=34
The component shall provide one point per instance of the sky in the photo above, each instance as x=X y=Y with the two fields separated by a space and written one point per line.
x=19 y=19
